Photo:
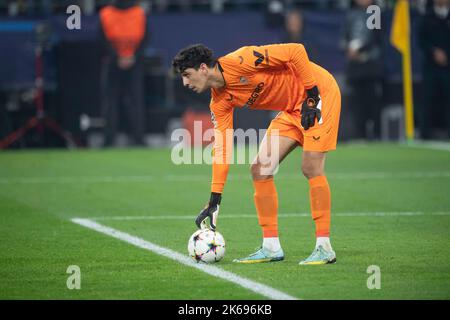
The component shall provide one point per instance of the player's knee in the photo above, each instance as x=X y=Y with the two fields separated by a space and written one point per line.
x=259 y=172
x=255 y=170
x=310 y=170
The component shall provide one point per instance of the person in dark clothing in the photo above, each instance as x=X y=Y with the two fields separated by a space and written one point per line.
x=5 y=121
x=363 y=48
x=123 y=34
x=434 y=40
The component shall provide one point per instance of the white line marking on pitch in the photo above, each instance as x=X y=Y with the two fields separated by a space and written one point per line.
x=283 y=215
x=235 y=177
x=256 y=287
x=434 y=145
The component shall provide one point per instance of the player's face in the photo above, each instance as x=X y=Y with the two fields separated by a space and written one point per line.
x=196 y=80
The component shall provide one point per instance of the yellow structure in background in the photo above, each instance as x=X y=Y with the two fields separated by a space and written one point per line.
x=400 y=39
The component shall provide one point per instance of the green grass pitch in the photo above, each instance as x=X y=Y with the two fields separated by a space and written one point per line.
x=390 y=208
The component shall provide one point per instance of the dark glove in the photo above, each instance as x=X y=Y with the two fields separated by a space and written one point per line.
x=310 y=108
x=211 y=210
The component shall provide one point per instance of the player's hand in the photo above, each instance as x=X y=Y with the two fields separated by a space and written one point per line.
x=210 y=211
x=311 y=108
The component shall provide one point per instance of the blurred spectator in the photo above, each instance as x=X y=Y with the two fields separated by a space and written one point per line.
x=343 y=4
x=322 y=4
x=5 y=121
x=123 y=35
x=39 y=7
x=434 y=39
x=13 y=8
x=363 y=48
x=420 y=5
x=217 y=6
x=293 y=27
x=88 y=7
x=294 y=32
x=274 y=14
x=46 y=7
x=160 y=5
x=146 y=5
x=168 y=5
x=17 y=7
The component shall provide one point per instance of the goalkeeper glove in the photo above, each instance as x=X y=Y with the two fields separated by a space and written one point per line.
x=311 y=108
x=211 y=211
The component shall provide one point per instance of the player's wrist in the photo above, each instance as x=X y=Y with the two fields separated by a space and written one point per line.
x=215 y=199
x=312 y=97
x=312 y=92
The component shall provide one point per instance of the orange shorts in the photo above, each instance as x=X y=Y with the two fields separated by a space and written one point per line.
x=320 y=137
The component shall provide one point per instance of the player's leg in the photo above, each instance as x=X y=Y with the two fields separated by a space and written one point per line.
x=135 y=104
x=446 y=102
x=318 y=140
x=313 y=168
x=111 y=107
x=423 y=111
x=273 y=150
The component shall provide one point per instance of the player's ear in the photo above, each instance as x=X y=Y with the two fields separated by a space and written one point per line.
x=203 y=67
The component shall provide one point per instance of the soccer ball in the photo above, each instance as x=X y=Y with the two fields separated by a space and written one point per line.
x=206 y=246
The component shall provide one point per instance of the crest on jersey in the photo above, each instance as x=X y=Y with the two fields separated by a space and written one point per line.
x=243 y=80
x=213 y=120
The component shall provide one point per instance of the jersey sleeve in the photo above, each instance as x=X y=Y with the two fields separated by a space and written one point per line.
x=222 y=118
x=277 y=56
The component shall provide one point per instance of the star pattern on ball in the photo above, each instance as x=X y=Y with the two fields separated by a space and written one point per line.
x=212 y=247
x=198 y=257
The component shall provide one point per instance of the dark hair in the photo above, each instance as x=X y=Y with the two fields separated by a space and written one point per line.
x=192 y=57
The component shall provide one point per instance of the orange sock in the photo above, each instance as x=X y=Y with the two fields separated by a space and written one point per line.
x=266 y=203
x=320 y=199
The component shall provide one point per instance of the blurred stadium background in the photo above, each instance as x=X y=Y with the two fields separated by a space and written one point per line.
x=74 y=73
x=390 y=200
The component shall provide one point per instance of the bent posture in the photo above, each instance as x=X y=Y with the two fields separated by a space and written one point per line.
x=272 y=77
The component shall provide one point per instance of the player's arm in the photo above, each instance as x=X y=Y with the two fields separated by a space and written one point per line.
x=279 y=56
x=311 y=107
x=222 y=118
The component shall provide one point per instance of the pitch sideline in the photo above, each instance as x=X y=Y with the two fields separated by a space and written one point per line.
x=281 y=215
x=232 y=177
x=256 y=287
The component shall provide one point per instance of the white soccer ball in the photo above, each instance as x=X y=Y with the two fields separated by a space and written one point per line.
x=206 y=246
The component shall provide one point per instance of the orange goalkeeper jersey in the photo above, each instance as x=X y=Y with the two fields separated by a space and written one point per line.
x=271 y=77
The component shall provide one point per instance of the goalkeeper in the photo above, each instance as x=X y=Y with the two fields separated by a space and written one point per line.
x=272 y=77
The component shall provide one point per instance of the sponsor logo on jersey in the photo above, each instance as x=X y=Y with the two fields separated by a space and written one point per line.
x=259 y=56
x=255 y=94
